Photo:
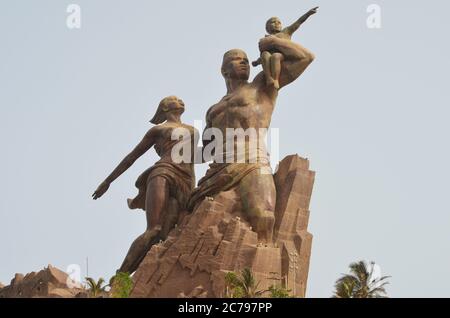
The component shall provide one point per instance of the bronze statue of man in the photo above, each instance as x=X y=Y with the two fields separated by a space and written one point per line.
x=164 y=188
x=250 y=105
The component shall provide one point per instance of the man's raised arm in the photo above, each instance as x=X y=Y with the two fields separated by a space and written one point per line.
x=296 y=57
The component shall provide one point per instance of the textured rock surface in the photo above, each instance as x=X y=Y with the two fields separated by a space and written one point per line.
x=49 y=282
x=216 y=238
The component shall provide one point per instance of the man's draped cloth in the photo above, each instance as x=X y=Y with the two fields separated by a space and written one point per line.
x=223 y=177
x=181 y=179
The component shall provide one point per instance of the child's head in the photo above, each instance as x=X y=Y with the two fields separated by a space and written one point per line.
x=273 y=25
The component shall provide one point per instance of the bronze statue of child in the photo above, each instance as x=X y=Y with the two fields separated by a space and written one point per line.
x=271 y=61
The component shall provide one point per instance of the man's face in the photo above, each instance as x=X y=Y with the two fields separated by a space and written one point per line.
x=274 y=26
x=237 y=66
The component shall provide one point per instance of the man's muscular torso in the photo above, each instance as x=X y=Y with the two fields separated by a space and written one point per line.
x=249 y=106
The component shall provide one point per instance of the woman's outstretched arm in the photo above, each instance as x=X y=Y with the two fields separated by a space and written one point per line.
x=146 y=143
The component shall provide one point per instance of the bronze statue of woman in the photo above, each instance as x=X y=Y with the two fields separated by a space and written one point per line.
x=165 y=187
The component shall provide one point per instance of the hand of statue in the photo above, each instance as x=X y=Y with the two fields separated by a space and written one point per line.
x=312 y=11
x=102 y=188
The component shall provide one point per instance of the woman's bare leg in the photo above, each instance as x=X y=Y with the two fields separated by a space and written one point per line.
x=155 y=205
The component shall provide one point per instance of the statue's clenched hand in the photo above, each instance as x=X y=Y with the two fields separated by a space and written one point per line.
x=102 y=188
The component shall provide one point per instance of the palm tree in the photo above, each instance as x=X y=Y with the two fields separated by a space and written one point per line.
x=279 y=292
x=121 y=285
x=244 y=286
x=96 y=288
x=360 y=283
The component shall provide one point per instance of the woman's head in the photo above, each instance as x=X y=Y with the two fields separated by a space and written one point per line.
x=167 y=105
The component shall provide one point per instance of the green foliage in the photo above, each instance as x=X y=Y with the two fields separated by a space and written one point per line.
x=242 y=286
x=279 y=292
x=96 y=288
x=121 y=285
x=360 y=283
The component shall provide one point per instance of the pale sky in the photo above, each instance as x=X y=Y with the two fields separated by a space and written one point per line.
x=371 y=113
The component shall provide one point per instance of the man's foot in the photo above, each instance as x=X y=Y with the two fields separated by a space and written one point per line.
x=264 y=225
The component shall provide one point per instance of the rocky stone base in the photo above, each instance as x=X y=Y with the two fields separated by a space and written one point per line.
x=216 y=239
x=47 y=283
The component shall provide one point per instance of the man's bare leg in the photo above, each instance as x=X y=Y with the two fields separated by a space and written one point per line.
x=156 y=202
x=258 y=196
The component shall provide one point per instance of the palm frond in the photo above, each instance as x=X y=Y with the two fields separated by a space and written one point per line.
x=247 y=277
x=242 y=286
x=377 y=290
x=100 y=282
x=232 y=280
x=359 y=269
x=359 y=283
x=91 y=282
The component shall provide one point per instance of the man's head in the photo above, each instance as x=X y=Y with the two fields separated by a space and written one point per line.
x=235 y=65
x=273 y=25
